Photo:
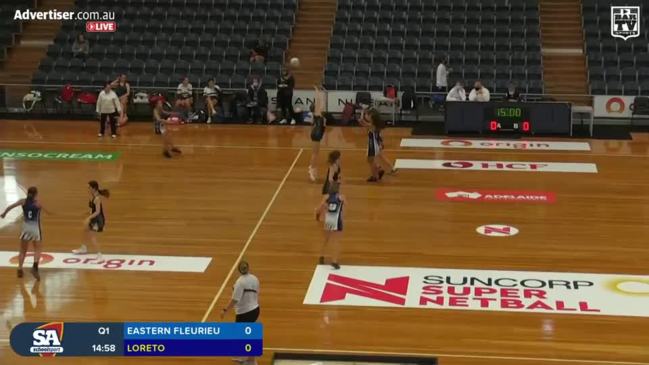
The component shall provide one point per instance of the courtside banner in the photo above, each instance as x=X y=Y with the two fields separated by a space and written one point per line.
x=496 y=166
x=56 y=260
x=506 y=196
x=480 y=290
x=495 y=144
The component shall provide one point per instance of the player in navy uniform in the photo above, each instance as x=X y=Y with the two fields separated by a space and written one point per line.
x=333 y=172
x=332 y=208
x=317 y=131
x=371 y=119
x=96 y=221
x=160 y=122
x=31 y=229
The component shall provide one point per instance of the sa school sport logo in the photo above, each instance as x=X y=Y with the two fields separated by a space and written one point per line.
x=507 y=196
x=48 y=339
x=625 y=21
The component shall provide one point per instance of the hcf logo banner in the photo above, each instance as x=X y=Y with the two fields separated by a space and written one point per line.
x=481 y=290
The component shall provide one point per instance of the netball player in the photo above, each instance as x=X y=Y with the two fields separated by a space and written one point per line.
x=333 y=172
x=160 y=125
x=332 y=207
x=31 y=232
x=123 y=90
x=371 y=119
x=317 y=131
x=96 y=221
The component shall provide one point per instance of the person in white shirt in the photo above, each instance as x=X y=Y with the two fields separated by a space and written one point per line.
x=184 y=99
x=457 y=93
x=211 y=92
x=245 y=297
x=245 y=300
x=441 y=76
x=108 y=107
x=479 y=93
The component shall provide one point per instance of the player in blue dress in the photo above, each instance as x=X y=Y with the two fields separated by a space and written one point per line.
x=332 y=209
x=31 y=232
x=96 y=221
x=333 y=172
x=371 y=119
x=161 y=120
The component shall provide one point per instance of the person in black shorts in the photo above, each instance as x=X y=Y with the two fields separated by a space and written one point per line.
x=333 y=172
x=371 y=119
x=96 y=221
x=317 y=131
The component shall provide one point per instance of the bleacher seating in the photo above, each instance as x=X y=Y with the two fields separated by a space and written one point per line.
x=10 y=27
x=380 y=42
x=158 y=43
x=615 y=66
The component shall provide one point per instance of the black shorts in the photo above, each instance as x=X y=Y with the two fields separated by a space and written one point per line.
x=248 y=316
x=318 y=130
x=97 y=225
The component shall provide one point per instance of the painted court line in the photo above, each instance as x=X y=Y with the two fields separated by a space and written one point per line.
x=459 y=356
x=252 y=235
x=324 y=148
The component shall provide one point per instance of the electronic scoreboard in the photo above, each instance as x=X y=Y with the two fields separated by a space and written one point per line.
x=137 y=339
x=551 y=118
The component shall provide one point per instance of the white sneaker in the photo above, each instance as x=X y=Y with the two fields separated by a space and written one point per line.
x=293 y=122
x=209 y=120
x=283 y=121
x=113 y=136
x=99 y=135
x=99 y=256
x=81 y=250
x=313 y=174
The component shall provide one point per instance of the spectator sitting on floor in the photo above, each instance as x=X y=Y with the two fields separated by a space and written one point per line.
x=184 y=98
x=479 y=93
x=80 y=47
x=257 y=101
x=512 y=93
x=457 y=93
x=259 y=52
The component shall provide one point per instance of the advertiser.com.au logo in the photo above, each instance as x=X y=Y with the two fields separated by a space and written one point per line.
x=47 y=339
x=393 y=290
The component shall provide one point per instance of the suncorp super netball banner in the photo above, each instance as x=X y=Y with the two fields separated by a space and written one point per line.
x=482 y=290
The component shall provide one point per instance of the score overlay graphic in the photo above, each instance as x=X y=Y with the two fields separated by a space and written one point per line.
x=137 y=339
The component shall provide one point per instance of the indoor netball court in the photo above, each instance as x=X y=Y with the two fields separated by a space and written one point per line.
x=481 y=252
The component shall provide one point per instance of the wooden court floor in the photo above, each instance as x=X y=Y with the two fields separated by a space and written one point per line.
x=242 y=191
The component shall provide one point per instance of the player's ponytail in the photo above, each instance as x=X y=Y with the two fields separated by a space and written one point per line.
x=334 y=156
x=95 y=186
x=31 y=193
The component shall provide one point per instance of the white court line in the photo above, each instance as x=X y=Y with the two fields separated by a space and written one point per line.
x=252 y=235
x=324 y=148
x=459 y=356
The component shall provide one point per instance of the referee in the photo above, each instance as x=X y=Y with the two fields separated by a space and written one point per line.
x=108 y=108
x=245 y=298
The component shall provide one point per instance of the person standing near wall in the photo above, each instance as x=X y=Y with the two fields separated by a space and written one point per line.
x=285 y=86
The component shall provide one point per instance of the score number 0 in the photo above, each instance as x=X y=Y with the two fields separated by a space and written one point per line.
x=247 y=331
